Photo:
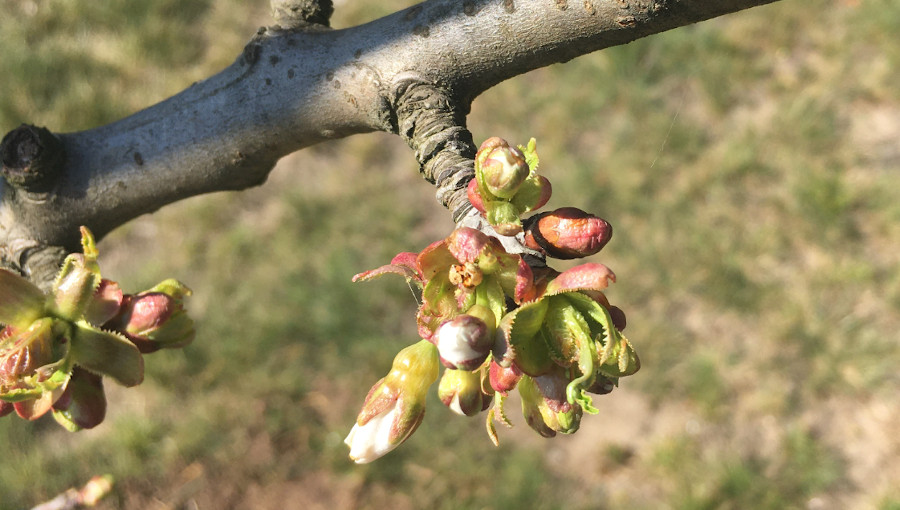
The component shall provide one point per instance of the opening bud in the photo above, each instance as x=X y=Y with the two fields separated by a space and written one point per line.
x=395 y=405
x=464 y=342
x=503 y=168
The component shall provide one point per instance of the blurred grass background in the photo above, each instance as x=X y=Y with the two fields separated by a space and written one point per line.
x=749 y=166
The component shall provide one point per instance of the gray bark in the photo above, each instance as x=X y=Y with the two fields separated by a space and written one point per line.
x=413 y=73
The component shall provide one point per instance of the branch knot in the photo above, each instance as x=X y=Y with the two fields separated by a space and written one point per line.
x=32 y=158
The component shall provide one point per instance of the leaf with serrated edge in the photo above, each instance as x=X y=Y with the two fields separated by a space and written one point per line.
x=617 y=356
x=531 y=155
x=491 y=429
x=590 y=309
x=107 y=353
x=520 y=328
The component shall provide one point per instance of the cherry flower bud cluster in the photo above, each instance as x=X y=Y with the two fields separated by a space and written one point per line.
x=499 y=325
x=56 y=349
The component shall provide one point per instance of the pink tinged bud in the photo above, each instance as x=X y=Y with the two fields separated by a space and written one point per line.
x=97 y=488
x=83 y=403
x=504 y=380
x=34 y=408
x=153 y=320
x=567 y=233
x=463 y=343
x=545 y=190
x=461 y=391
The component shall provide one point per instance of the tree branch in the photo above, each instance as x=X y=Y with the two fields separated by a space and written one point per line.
x=414 y=72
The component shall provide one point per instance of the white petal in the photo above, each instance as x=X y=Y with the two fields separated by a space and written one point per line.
x=452 y=345
x=372 y=440
x=454 y=405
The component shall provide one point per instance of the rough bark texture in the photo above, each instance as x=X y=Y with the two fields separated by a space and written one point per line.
x=414 y=73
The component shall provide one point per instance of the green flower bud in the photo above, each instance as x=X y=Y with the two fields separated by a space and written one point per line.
x=79 y=278
x=461 y=391
x=559 y=414
x=74 y=288
x=545 y=407
x=502 y=168
x=531 y=407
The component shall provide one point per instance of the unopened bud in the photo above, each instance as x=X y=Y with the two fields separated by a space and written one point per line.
x=503 y=168
x=545 y=407
x=77 y=280
x=74 y=287
x=460 y=390
x=83 y=403
x=154 y=320
x=475 y=197
x=486 y=315
x=561 y=415
x=503 y=380
x=567 y=233
x=463 y=343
